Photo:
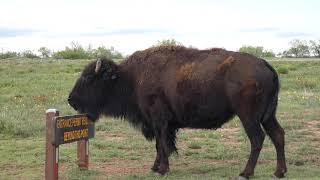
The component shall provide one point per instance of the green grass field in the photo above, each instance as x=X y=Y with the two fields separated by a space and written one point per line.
x=29 y=87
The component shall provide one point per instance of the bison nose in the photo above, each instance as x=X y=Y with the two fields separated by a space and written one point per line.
x=72 y=103
x=69 y=100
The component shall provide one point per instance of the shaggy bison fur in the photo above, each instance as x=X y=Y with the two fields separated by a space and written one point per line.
x=162 y=89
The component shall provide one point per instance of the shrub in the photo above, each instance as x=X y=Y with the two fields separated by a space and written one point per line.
x=283 y=70
x=292 y=67
x=29 y=54
x=168 y=42
x=258 y=51
x=8 y=54
x=76 y=51
x=102 y=52
x=306 y=83
x=45 y=52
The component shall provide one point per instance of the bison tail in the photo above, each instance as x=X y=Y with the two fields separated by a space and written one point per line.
x=272 y=103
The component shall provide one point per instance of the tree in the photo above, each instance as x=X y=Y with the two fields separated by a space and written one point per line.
x=256 y=51
x=299 y=48
x=315 y=48
x=102 y=51
x=168 y=42
x=286 y=54
x=45 y=52
x=8 y=54
x=29 y=54
x=76 y=51
x=268 y=53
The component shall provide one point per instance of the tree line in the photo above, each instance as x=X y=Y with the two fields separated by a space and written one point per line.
x=74 y=51
x=297 y=49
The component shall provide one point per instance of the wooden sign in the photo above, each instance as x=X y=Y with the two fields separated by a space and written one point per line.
x=66 y=129
x=72 y=128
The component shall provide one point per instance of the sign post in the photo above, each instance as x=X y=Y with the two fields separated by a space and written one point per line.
x=52 y=151
x=83 y=154
x=62 y=130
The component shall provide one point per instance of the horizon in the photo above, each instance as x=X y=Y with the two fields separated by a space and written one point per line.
x=130 y=26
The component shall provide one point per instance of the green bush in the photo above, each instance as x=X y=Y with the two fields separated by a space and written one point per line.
x=283 y=70
x=8 y=54
x=258 y=51
x=29 y=54
x=76 y=51
x=45 y=52
x=168 y=42
x=102 y=52
x=292 y=68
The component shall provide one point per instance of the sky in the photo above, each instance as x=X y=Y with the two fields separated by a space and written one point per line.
x=138 y=24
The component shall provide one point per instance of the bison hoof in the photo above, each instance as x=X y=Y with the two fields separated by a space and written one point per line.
x=158 y=174
x=155 y=168
x=241 y=178
x=280 y=173
x=162 y=171
x=274 y=177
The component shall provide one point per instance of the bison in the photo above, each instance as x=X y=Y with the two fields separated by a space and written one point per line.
x=162 y=89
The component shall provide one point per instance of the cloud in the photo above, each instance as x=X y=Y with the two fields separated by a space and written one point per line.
x=126 y=32
x=261 y=29
x=103 y=32
x=14 y=32
x=293 y=34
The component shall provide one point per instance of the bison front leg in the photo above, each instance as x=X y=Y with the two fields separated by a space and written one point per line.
x=156 y=164
x=168 y=148
x=163 y=152
x=160 y=116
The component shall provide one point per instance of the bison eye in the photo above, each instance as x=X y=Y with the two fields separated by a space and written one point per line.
x=87 y=78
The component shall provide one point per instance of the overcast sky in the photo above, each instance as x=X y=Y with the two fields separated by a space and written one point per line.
x=132 y=25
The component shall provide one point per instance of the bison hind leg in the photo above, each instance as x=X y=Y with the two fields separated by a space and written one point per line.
x=276 y=134
x=250 y=112
x=256 y=137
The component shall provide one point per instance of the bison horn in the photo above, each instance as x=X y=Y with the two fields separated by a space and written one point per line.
x=98 y=66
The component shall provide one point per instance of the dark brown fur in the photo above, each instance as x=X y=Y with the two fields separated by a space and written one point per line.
x=162 y=89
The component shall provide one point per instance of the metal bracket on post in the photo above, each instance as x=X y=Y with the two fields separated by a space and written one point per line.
x=52 y=151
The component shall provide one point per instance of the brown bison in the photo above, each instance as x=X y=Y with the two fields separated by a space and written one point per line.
x=162 y=89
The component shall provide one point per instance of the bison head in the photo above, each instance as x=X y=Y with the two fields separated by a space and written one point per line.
x=93 y=88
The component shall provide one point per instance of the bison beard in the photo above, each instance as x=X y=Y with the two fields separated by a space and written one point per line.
x=162 y=89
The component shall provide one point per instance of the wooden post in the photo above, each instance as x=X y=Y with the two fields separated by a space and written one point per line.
x=52 y=152
x=83 y=153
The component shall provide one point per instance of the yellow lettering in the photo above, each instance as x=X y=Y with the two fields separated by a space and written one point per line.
x=85 y=121
x=65 y=123
x=76 y=134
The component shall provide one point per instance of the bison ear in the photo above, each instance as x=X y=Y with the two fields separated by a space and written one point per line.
x=98 y=66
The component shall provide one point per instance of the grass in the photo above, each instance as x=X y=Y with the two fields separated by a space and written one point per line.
x=29 y=87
